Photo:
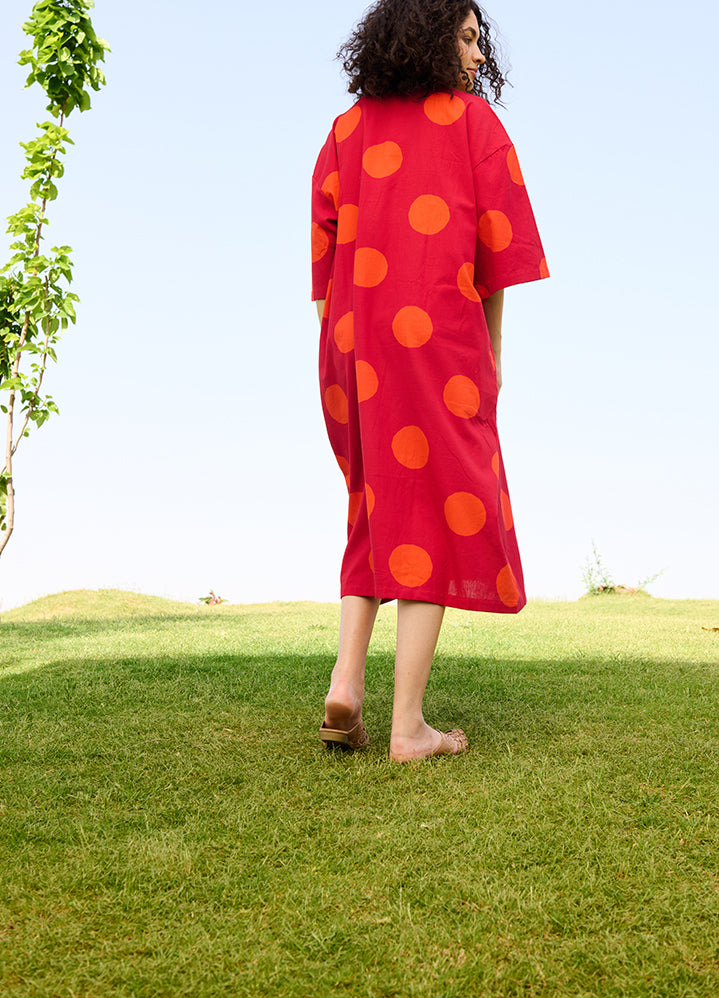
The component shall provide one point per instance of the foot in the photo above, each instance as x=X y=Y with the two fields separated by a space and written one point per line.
x=343 y=715
x=428 y=744
x=343 y=706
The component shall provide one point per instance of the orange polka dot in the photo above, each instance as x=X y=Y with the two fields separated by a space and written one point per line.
x=507 y=588
x=465 y=282
x=344 y=333
x=336 y=402
x=495 y=230
x=371 y=562
x=347 y=223
x=465 y=513
x=370 y=267
x=506 y=511
x=355 y=501
x=461 y=396
x=543 y=268
x=353 y=505
x=320 y=242
x=444 y=109
x=331 y=187
x=410 y=447
x=347 y=122
x=428 y=214
x=382 y=160
x=412 y=326
x=514 y=169
x=367 y=380
x=344 y=467
x=495 y=463
x=410 y=565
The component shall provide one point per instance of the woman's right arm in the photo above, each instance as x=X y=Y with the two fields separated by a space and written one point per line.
x=320 y=303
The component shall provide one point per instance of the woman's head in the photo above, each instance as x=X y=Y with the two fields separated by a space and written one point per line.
x=417 y=47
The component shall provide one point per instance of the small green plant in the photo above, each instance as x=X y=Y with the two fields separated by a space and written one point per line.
x=35 y=303
x=595 y=576
x=598 y=580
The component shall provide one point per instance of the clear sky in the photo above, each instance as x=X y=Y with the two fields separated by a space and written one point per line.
x=190 y=451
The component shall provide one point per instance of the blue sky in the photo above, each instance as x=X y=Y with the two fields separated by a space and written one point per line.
x=190 y=451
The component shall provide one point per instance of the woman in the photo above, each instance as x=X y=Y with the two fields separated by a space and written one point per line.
x=420 y=220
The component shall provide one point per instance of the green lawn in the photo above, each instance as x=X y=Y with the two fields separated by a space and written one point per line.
x=171 y=826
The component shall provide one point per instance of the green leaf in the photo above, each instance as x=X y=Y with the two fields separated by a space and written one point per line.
x=11 y=384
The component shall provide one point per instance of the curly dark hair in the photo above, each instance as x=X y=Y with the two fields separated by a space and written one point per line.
x=405 y=48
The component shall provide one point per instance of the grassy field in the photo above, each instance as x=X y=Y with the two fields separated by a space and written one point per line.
x=171 y=826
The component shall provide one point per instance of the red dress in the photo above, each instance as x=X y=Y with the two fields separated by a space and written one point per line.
x=419 y=211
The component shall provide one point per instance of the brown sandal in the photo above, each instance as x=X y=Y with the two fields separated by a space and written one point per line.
x=345 y=741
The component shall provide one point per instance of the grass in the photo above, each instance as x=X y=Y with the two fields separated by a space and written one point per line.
x=170 y=826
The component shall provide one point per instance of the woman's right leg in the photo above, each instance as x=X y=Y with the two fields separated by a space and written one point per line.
x=418 y=626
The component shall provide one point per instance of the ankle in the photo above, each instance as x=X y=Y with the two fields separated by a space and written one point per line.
x=408 y=728
x=344 y=694
x=348 y=673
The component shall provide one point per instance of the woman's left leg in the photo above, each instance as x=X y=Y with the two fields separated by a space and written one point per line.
x=343 y=703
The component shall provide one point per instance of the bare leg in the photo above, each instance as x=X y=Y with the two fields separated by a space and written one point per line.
x=418 y=626
x=343 y=704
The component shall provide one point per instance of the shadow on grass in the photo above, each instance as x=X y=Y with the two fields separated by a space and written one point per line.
x=518 y=701
x=59 y=627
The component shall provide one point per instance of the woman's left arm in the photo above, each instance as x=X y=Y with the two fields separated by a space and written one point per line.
x=493 y=308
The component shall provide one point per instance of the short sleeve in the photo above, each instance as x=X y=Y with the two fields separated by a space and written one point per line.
x=508 y=248
x=325 y=201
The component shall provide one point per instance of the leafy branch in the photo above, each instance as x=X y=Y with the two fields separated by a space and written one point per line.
x=35 y=303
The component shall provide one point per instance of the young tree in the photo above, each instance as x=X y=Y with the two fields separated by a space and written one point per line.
x=35 y=303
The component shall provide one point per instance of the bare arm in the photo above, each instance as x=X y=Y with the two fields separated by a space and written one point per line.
x=320 y=303
x=493 y=307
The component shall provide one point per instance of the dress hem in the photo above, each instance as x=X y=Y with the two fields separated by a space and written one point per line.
x=456 y=602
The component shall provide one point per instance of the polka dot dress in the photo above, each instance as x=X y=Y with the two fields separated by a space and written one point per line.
x=419 y=211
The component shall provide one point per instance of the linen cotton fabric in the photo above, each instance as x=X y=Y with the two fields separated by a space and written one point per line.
x=419 y=211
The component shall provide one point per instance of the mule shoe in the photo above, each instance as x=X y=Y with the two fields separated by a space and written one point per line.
x=345 y=741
